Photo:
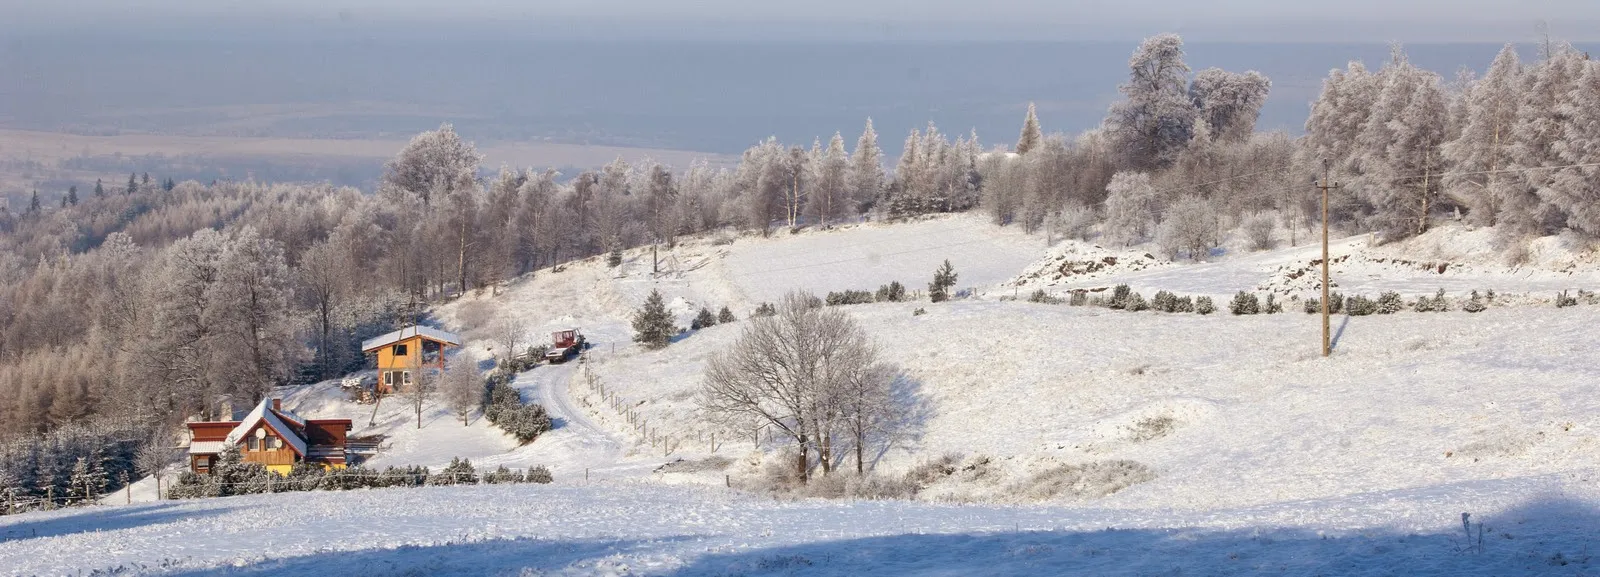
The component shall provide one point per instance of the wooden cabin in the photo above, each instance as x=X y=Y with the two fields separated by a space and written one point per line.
x=403 y=354
x=271 y=436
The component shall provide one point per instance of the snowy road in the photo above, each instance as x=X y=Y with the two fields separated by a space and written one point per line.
x=577 y=446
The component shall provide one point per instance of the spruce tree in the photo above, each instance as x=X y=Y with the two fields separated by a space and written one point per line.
x=725 y=316
x=145 y=181
x=1031 y=134
x=652 y=324
x=99 y=188
x=72 y=195
x=703 y=320
x=614 y=259
x=169 y=185
x=33 y=205
x=133 y=184
x=943 y=280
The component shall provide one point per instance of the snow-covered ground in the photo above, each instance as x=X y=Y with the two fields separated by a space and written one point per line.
x=1532 y=525
x=1264 y=458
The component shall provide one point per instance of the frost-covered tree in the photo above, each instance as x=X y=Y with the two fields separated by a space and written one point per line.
x=1189 y=227
x=725 y=316
x=791 y=371
x=1339 y=115
x=1575 y=191
x=1535 y=203
x=1229 y=103
x=1153 y=121
x=433 y=165
x=1483 y=147
x=703 y=319
x=1130 y=207
x=252 y=341
x=462 y=386
x=865 y=175
x=829 y=199
x=1406 y=194
x=1031 y=134
x=653 y=326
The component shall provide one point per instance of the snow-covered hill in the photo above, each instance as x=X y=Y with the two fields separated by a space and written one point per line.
x=1262 y=457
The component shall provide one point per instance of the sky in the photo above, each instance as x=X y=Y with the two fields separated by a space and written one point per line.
x=1241 y=20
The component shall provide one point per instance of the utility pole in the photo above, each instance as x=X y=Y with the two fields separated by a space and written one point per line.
x=1326 y=185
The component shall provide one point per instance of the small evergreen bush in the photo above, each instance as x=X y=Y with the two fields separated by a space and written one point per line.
x=458 y=472
x=1563 y=300
x=1360 y=306
x=1204 y=306
x=614 y=259
x=1136 y=303
x=1245 y=303
x=725 y=316
x=765 y=310
x=1474 y=303
x=1119 y=297
x=1183 y=305
x=943 y=280
x=1389 y=302
x=1079 y=298
x=850 y=297
x=1313 y=305
x=891 y=293
x=538 y=474
x=1039 y=296
x=1165 y=302
x=703 y=319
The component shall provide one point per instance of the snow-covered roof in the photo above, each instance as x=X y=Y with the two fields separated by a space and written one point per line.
x=263 y=414
x=409 y=332
x=206 y=447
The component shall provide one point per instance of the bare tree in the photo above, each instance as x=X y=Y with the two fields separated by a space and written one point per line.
x=788 y=371
x=154 y=455
x=509 y=333
x=462 y=386
x=421 y=387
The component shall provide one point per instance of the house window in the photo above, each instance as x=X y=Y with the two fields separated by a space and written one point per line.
x=399 y=350
x=406 y=375
x=250 y=443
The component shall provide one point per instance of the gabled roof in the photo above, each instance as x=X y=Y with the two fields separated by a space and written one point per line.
x=206 y=447
x=410 y=332
x=263 y=414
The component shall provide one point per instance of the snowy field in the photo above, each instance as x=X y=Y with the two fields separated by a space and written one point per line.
x=1260 y=456
x=1538 y=525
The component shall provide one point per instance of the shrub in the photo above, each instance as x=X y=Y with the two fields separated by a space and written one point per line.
x=1119 y=297
x=502 y=476
x=538 y=474
x=1335 y=303
x=1258 y=229
x=1136 y=303
x=849 y=297
x=1085 y=481
x=919 y=312
x=1474 y=304
x=1079 y=298
x=1203 y=305
x=1563 y=300
x=1165 y=302
x=1272 y=306
x=927 y=472
x=725 y=316
x=1389 y=302
x=614 y=259
x=1183 y=305
x=765 y=310
x=1039 y=296
x=1313 y=305
x=703 y=319
x=891 y=293
x=458 y=472
x=1437 y=304
x=507 y=411
x=1245 y=303
x=1360 y=306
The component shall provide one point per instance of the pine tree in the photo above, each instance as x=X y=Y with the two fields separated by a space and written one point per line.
x=72 y=195
x=88 y=480
x=1031 y=134
x=1483 y=147
x=652 y=324
x=145 y=181
x=133 y=184
x=943 y=280
x=33 y=205
x=703 y=320
x=169 y=185
x=725 y=316
x=866 y=169
x=99 y=188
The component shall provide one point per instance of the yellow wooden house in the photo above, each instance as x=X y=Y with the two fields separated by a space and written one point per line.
x=402 y=355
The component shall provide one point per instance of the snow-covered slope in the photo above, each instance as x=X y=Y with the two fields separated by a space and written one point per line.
x=1265 y=457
